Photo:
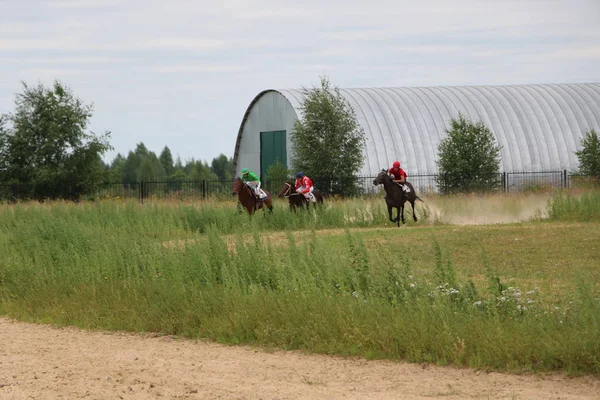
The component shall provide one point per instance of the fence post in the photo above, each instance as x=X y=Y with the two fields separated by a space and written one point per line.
x=446 y=183
x=565 y=181
x=203 y=189
x=142 y=191
x=504 y=185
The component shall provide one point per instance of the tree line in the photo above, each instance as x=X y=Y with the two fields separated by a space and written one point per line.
x=142 y=164
x=44 y=144
x=45 y=147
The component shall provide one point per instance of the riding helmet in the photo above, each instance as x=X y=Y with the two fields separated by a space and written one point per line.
x=299 y=175
x=396 y=164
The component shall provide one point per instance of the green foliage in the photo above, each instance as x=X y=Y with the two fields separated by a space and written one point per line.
x=222 y=167
x=589 y=155
x=116 y=169
x=4 y=148
x=151 y=169
x=178 y=175
x=566 y=207
x=47 y=147
x=120 y=266
x=201 y=171
x=277 y=175
x=166 y=161
x=328 y=142
x=468 y=158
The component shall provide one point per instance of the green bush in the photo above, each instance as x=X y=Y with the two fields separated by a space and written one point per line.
x=589 y=155
x=469 y=159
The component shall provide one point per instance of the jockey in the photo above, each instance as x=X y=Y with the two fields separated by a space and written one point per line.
x=398 y=173
x=250 y=178
x=305 y=186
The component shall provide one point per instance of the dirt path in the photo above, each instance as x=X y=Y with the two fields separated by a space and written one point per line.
x=41 y=362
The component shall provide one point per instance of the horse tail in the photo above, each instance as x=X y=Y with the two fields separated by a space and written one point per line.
x=418 y=198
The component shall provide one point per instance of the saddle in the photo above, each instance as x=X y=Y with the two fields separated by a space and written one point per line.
x=262 y=197
x=405 y=188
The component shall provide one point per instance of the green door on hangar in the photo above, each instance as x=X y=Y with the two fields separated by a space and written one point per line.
x=272 y=149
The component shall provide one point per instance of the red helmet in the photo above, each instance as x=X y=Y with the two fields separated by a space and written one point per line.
x=396 y=164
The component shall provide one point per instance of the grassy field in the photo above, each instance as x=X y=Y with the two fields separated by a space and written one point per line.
x=454 y=288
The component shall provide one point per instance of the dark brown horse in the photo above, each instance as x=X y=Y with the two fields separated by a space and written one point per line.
x=396 y=196
x=247 y=198
x=297 y=199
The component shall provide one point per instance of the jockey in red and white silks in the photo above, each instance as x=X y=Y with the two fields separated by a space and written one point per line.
x=305 y=186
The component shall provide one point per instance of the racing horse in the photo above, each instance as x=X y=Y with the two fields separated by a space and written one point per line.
x=396 y=196
x=297 y=199
x=247 y=198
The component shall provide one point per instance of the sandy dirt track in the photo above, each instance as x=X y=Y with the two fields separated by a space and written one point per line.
x=42 y=362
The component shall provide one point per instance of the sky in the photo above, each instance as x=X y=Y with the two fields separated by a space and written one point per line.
x=182 y=73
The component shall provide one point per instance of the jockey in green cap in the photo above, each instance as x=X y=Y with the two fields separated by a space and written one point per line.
x=252 y=180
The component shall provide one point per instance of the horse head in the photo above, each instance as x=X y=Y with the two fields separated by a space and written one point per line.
x=237 y=186
x=286 y=190
x=380 y=178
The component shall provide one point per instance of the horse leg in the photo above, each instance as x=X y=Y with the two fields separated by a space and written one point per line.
x=389 y=206
x=401 y=212
x=412 y=203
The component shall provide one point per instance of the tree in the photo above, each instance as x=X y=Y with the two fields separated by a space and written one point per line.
x=328 y=142
x=116 y=169
x=150 y=169
x=201 y=171
x=4 y=148
x=589 y=155
x=468 y=158
x=277 y=175
x=131 y=167
x=166 y=160
x=222 y=167
x=47 y=147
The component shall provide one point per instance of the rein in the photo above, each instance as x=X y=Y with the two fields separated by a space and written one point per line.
x=289 y=190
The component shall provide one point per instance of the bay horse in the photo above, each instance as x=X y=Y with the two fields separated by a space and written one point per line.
x=297 y=199
x=396 y=196
x=247 y=198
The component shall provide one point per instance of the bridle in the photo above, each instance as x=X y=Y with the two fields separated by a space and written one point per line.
x=243 y=186
x=288 y=192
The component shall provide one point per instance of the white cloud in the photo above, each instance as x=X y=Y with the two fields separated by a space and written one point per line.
x=183 y=68
x=38 y=44
x=274 y=13
x=135 y=59
x=67 y=60
x=183 y=43
x=587 y=52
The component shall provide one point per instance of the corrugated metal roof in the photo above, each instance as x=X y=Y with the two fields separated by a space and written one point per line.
x=538 y=126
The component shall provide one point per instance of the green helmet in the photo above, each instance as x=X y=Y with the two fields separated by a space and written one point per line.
x=245 y=171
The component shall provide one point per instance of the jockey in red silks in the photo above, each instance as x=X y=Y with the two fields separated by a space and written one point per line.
x=305 y=186
x=398 y=173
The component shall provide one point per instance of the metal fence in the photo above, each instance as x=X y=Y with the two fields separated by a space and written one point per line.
x=425 y=184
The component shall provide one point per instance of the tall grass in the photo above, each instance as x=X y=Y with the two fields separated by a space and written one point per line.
x=568 y=207
x=350 y=213
x=106 y=266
